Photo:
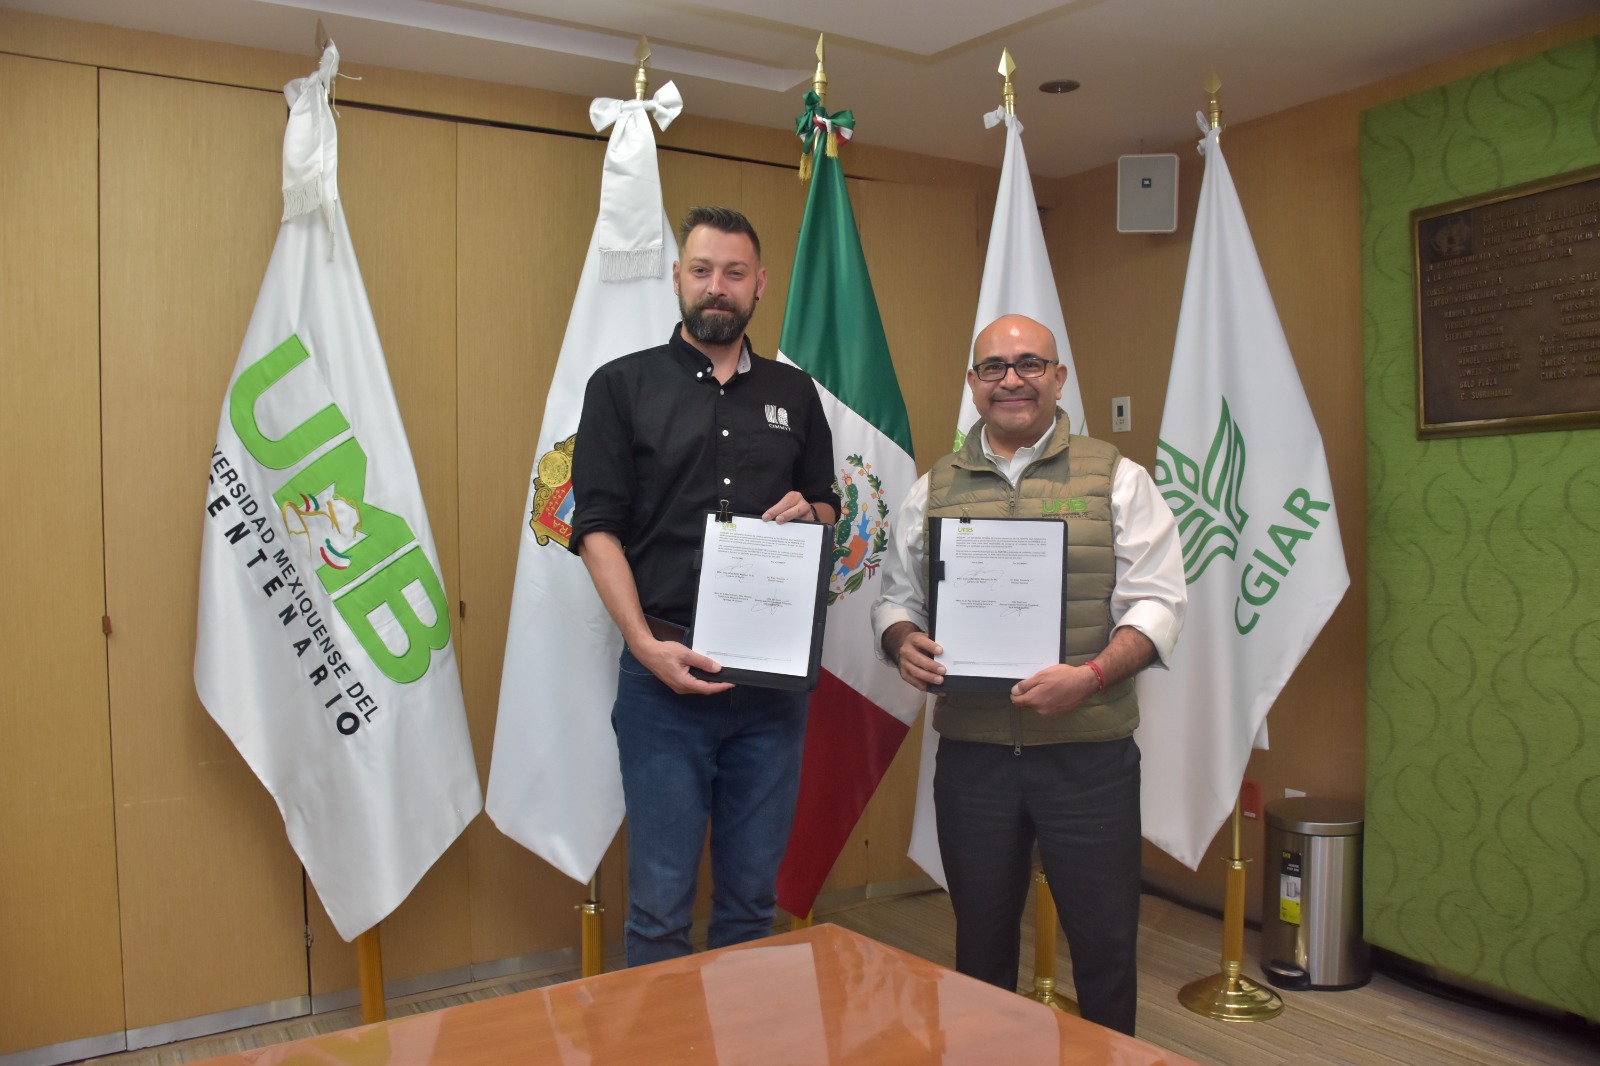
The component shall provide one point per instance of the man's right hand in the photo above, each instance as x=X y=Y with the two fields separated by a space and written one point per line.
x=670 y=662
x=913 y=651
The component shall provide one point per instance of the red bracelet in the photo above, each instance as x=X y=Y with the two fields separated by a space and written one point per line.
x=1099 y=675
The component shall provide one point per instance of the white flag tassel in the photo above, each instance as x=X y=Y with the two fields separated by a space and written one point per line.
x=311 y=144
x=323 y=645
x=555 y=785
x=1241 y=464
x=630 y=229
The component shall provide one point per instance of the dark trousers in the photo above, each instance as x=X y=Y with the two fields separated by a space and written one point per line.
x=1081 y=802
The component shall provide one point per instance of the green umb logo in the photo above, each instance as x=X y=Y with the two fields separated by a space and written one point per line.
x=368 y=562
x=1206 y=499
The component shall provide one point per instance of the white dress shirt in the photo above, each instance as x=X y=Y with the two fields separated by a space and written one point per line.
x=1149 y=593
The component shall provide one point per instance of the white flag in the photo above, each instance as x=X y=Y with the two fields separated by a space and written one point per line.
x=323 y=644
x=1241 y=464
x=1017 y=280
x=555 y=785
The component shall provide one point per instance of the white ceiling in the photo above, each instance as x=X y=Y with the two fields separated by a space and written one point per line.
x=919 y=74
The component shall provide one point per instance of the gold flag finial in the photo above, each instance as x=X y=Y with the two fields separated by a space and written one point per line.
x=1008 y=66
x=1213 y=109
x=819 y=80
x=641 y=78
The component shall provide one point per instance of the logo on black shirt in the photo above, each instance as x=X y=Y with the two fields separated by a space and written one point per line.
x=777 y=417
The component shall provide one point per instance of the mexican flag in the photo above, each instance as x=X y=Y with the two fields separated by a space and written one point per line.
x=861 y=710
x=1241 y=464
x=323 y=646
x=1017 y=280
x=555 y=785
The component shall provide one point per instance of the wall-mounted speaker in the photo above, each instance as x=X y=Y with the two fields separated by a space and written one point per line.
x=1147 y=193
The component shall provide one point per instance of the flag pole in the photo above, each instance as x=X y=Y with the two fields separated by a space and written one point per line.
x=369 y=968
x=819 y=85
x=1044 y=919
x=1044 y=948
x=1229 y=996
x=593 y=924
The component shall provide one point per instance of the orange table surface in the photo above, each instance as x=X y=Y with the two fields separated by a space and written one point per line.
x=814 y=996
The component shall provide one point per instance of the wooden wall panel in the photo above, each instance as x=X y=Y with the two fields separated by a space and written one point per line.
x=397 y=181
x=58 y=876
x=527 y=206
x=212 y=901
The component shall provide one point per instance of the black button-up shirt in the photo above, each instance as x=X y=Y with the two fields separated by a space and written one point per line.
x=661 y=442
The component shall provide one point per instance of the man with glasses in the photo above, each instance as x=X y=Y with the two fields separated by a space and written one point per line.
x=1054 y=759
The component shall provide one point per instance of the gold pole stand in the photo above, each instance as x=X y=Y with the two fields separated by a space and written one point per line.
x=1044 y=948
x=1228 y=996
x=594 y=930
x=369 y=968
x=797 y=922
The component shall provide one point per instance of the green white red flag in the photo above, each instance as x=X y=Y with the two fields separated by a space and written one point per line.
x=861 y=710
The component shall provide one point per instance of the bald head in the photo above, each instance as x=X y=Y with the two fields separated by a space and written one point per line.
x=1013 y=332
x=1016 y=378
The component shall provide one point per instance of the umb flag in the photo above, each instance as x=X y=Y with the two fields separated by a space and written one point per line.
x=1240 y=462
x=324 y=631
x=555 y=786
x=1017 y=280
x=861 y=710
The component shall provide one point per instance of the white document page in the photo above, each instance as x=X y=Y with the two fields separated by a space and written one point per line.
x=998 y=608
x=757 y=600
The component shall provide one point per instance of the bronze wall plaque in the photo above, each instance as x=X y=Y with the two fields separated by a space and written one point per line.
x=1508 y=309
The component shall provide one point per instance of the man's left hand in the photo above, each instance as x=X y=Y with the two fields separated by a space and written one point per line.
x=1055 y=690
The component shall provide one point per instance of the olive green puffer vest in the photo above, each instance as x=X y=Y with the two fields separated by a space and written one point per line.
x=1070 y=480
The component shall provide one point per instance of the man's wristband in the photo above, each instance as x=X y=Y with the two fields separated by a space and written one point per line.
x=1099 y=674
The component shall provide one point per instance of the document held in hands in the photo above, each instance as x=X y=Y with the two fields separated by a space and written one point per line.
x=997 y=586
x=761 y=601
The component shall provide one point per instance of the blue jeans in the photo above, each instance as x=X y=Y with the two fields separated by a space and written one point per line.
x=733 y=759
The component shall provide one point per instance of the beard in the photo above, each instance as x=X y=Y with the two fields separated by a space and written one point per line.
x=716 y=329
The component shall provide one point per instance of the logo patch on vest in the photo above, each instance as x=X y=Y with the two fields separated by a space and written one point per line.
x=1075 y=507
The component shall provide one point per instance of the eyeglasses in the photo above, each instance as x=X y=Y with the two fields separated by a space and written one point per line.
x=1029 y=366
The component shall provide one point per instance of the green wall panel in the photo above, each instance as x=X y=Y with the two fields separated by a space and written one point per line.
x=1483 y=763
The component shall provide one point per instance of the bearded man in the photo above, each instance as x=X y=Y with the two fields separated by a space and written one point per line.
x=666 y=436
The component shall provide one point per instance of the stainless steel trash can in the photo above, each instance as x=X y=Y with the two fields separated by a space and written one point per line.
x=1311 y=934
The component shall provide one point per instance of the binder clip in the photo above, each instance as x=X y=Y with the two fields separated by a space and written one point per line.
x=724 y=514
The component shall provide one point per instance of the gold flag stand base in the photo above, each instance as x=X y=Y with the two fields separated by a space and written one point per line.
x=1227 y=996
x=1044 y=949
x=1230 y=998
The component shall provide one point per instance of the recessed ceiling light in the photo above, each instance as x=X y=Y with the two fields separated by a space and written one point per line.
x=1056 y=88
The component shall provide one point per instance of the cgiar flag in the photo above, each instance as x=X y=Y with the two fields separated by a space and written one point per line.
x=1241 y=464
x=1017 y=280
x=555 y=785
x=323 y=645
x=861 y=710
